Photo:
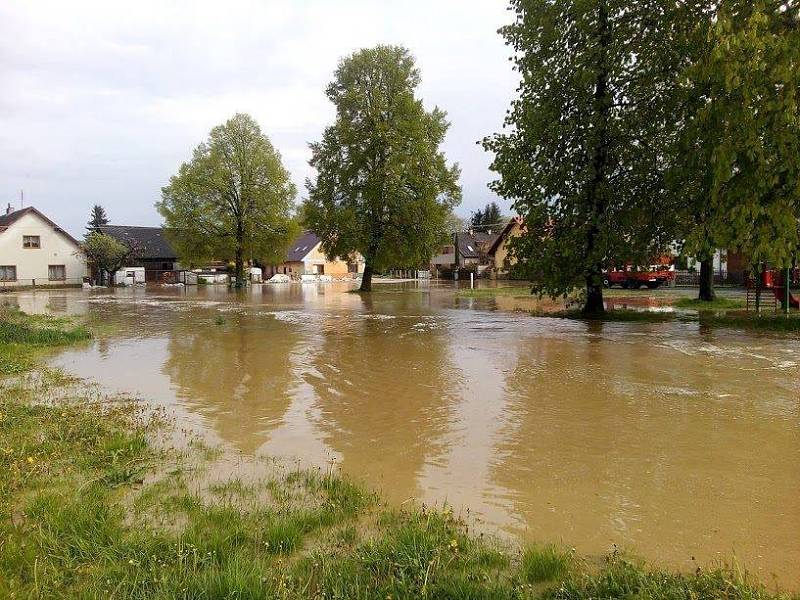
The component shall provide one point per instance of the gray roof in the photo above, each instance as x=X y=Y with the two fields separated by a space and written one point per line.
x=8 y=219
x=147 y=242
x=301 y=246
x=469 y=244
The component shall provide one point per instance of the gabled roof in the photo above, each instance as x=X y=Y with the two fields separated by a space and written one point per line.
x=6 y=220
x=504 y=234
x=301 y=246
x=470 y=244
x=147 y=242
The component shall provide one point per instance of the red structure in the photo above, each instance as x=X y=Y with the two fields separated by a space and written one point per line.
x=776 y=281
x=633 y=279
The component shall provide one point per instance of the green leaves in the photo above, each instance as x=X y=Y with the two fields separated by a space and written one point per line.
x=383 y=188
x=104 y=253
x=233 y=200
x=584 y=151
x=742 y=141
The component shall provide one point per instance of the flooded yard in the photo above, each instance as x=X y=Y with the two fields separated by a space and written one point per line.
x=679 y=443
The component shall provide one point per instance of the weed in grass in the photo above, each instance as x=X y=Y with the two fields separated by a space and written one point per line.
x=622 y=578
x=545 y=563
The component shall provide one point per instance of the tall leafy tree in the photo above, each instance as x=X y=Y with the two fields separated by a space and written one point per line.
x=383 y=187
x=742 y=135
x=97 y=219
x=233 y=200
x=586 y=144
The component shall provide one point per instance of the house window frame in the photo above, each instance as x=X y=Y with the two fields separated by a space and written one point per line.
x=28 y=240
x=49 y=273
x=5 y=279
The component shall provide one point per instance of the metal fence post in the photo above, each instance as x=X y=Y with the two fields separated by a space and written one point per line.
x=787 y=276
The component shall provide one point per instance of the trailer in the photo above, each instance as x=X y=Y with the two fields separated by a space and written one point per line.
x=633 y=279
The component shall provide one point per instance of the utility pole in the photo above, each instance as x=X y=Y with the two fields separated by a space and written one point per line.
x=455 y=269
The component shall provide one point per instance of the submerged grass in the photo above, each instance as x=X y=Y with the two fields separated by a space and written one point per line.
x=23 y=336
x=620 y=315
x=491 y=292
x=750 y=320
x=78 y=521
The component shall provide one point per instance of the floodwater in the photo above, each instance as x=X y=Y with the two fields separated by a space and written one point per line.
x=678 y=443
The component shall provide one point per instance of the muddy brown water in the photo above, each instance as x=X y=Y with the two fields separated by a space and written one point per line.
x=680 y=444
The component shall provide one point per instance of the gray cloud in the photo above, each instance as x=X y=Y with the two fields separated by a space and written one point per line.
x=102 y=101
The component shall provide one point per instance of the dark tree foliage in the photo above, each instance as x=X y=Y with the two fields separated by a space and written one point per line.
x=489 y=218
x=586 y=143
x=97 y=219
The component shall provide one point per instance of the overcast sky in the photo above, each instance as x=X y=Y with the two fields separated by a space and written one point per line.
x=100 y=102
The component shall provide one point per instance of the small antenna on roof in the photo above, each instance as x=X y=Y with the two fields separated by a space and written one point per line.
x=22 y=199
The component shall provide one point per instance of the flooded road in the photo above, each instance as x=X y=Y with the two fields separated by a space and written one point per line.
x=675 y=442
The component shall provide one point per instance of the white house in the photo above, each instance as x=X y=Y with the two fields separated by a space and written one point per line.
x=36 y=251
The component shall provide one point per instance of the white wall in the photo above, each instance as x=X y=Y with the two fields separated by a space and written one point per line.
x=55 y=249
x=720 y=262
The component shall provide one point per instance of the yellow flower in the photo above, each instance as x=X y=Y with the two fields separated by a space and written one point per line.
x=30 y=460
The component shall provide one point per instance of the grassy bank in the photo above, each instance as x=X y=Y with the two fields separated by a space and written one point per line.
x=731 y=319
x=721 y=312
x=92 y=507
x=493 y=292
x=718 y=304
x=23 y=337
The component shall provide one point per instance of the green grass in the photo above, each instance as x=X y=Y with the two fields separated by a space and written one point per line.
x=764 y=322
x=546 y=563
x=491 y=292
x=718 y=304
x=23 y=337
x=89 y=508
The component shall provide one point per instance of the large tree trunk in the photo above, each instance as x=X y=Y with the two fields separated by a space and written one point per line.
x=594 y=298
x=366 y=278
x=597 y=192
x=707 y=293
x=239 y=267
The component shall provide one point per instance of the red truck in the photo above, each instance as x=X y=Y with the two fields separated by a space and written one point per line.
x=633 y=279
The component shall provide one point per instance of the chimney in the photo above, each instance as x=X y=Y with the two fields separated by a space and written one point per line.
x=10 y=209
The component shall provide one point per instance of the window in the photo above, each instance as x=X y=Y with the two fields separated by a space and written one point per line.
x=31 y=241
x=8 y=273
x=56 y=273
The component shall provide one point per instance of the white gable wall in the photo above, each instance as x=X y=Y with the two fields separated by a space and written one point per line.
x=55 y=249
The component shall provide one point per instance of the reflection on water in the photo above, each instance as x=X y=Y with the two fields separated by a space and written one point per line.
x=675 y=442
